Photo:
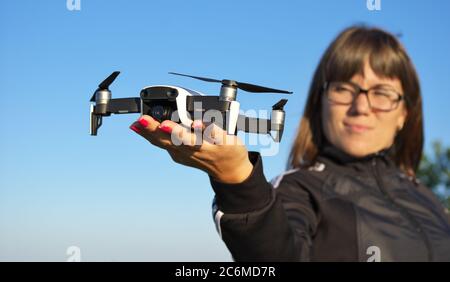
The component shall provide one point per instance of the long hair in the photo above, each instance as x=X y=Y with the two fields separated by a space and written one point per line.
x=343 y=59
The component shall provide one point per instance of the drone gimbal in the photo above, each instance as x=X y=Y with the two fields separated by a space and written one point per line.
x=179 y=104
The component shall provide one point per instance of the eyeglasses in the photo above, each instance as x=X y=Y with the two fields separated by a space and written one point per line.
x=383 y=98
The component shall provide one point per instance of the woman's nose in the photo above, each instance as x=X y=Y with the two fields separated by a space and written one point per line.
x=361 y=104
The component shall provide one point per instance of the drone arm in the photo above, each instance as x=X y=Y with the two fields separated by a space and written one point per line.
x=112 y=106
x=124 y=106
x=253 y=125
x=273 y=126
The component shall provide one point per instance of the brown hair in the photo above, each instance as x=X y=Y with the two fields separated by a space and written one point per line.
x=343 y=59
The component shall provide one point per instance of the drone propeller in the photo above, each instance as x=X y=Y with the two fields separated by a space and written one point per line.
x=241 y=85
x=198 y=77
x=279 y=105
x=104 y=85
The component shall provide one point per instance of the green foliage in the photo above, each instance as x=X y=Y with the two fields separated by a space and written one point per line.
x=434 y=172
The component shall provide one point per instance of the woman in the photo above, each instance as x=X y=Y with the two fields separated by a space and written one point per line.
x=351 y=192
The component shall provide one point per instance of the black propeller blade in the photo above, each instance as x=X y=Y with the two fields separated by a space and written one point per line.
x=104 y=85
x=259 y=89
x=197 y=77
x=279 y=105
x=241 y=85
x=107 y=82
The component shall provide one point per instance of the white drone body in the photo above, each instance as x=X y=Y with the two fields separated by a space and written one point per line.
x=183 y=114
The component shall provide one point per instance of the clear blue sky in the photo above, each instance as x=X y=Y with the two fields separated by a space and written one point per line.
x=117 y=197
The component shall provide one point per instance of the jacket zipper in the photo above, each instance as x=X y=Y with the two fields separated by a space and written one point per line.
x=402 y=209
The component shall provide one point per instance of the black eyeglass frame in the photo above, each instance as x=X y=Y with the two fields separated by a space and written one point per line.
x=359 y=90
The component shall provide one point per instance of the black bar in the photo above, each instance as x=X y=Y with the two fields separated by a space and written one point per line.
x=124 y=105
x=207 y=103
x=253 y=125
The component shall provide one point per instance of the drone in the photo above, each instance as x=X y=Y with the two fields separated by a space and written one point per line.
x=179 y=104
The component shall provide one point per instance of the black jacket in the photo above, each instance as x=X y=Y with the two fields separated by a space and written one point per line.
x=340 y=209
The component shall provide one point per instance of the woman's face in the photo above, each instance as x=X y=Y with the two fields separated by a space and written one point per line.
x=357 y=129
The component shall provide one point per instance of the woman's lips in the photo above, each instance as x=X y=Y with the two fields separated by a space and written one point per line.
x=357 y=128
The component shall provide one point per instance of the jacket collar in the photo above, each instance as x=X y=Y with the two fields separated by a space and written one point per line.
x=330 y=153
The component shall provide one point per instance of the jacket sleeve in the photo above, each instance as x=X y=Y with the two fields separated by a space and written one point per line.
x=260 y=221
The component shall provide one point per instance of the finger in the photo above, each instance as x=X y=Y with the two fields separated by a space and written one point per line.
x=173 y=131
x=148 y=123
x=182 y=135
x=198 y=124
x=167 y=126
x=147 y=127
x=214 y=134
x=145 y=123
x=196 y=137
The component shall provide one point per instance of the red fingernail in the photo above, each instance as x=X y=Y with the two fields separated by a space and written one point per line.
x=197 y=124
x=135 y=129
x=165 y=128
x=143 y=122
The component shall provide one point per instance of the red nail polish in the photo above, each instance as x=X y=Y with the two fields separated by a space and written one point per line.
x=135 y=129
x=165 y=128
x=197 y=124
x=143 y=122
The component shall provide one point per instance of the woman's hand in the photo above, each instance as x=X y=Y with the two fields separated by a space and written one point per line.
x=209 y=148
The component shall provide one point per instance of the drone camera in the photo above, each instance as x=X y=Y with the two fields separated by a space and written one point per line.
x=159 y=102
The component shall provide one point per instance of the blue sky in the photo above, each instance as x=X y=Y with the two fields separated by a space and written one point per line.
x=117 y=197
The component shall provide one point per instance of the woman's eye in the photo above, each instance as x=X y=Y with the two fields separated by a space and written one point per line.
x=342 y=89
x=384 y=92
